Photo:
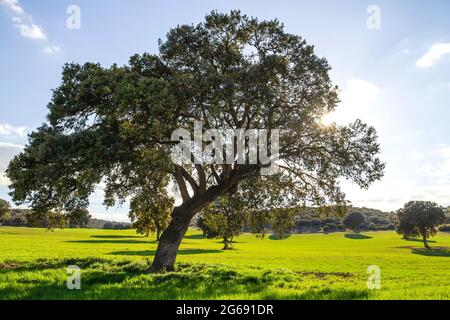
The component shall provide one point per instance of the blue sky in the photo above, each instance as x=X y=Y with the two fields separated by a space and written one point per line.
x=396 y=78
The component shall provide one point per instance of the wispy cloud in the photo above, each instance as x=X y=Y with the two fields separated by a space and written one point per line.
x=52 y=49
x=32 y=32
x=27 y=28
x=9 y=130
x=13 y=5
x=433 y=55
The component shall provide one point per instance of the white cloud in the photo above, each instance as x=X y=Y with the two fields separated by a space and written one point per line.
x=433 y=55
x=24 y=22
x=52 y=49
x=356 y=103
x=32 y=31
x=9 y=130
x=4 y=181
x=12 y=5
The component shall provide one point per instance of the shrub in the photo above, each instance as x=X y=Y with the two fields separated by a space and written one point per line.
x=372 y=226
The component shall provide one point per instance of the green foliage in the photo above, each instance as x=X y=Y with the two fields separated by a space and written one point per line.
x=283 y=222
x=420 y=219
x=353 y=221
x=151 y=207
x=5 y=210
x=225 y=219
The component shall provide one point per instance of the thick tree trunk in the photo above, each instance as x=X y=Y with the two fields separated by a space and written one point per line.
x=170 y=240
x=171 y=237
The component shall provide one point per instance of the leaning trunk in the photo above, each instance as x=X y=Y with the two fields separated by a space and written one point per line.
x=170 y=240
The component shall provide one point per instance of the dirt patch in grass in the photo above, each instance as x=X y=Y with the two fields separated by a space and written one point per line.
x=322 y=275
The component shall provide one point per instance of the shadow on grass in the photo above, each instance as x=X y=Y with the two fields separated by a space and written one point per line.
x=433 y=252
x=112 y=236
x=419 y=240
x=196 y=237
x=120 y=241
x=277 y=237
x=112 y=279
x=357 y=236
x=147 y=253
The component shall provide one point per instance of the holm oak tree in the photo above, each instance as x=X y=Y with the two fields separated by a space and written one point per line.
x=110 y=124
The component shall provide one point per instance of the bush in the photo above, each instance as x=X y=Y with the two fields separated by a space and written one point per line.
x=331 y=226
x=372 y=226
x=326 y=229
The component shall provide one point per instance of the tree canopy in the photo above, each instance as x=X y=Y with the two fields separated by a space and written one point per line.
x=353 y=221
x=113 y=125
x=150 y=208
x=420 y=219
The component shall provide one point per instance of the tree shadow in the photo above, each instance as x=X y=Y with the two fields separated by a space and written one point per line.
x=123 y=241
x=112 y=280
x=112 y=236
x=196 y=237
x=357 y=236
x=277 y=237
x=433 y=252
x=147 y=253
x=419 y=240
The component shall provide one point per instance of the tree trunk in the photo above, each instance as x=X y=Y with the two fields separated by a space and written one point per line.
x=425 y=242
x=170 y=240
x=225 y=244
x=158 y=233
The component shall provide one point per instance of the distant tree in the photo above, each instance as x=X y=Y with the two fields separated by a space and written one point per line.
x=79 y=218
x=259 y=222
x=151 y=207
x=353 y=221
x=207 y=231
x=108 y=226
x=372 y=226
x=226 y=218
x=5 y=210
x=420 y=219
x=283 y=222
x=262 y=197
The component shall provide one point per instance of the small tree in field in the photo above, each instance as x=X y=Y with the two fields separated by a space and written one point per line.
x=150 y=208
x=5 y=210
x=283 y=222
x=420 y=219
x=225 y=218
x=353 y=221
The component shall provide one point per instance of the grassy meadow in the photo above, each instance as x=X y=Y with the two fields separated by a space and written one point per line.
x=114 y=265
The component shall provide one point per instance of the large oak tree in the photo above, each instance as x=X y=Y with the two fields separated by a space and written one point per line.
x=231 y=71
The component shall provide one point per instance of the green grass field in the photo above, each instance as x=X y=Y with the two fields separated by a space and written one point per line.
x=114 y=265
